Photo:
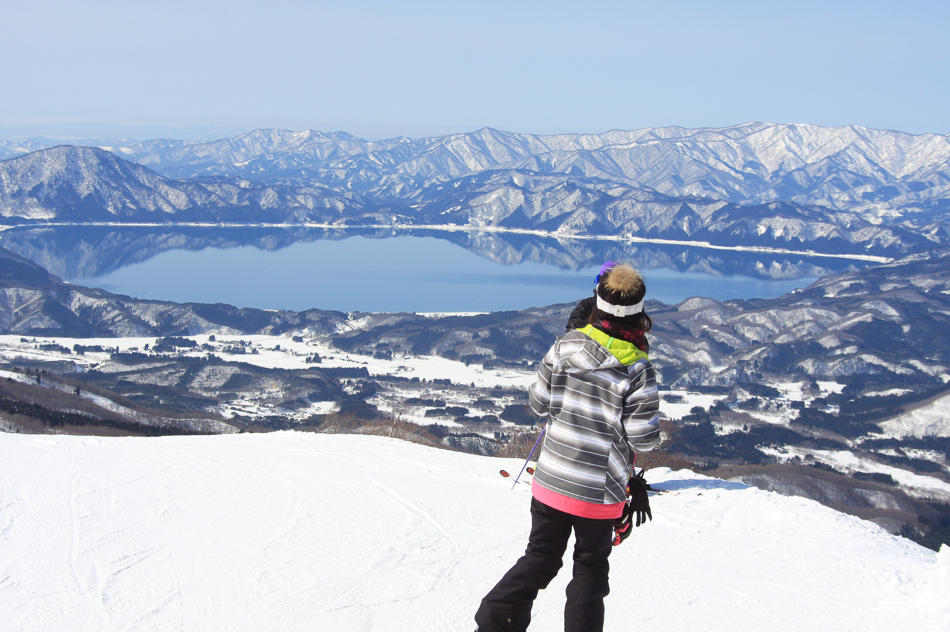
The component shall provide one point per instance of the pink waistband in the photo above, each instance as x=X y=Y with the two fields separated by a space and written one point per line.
x=575 y=507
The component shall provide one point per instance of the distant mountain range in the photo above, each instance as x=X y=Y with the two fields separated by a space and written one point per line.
x=835 y=190
x=79 y=184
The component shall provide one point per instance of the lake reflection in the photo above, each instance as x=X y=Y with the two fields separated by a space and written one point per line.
x=298 y=269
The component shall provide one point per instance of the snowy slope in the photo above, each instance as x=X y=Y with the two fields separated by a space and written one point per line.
x=930 y=420
x=293 y=531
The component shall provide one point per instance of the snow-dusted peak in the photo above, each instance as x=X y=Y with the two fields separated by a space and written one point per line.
x=876 y=172
x=698 y=303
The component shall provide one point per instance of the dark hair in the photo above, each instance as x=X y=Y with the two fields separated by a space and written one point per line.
x=641 y=321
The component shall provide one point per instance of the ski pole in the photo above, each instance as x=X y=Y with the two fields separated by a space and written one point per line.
x=529 y=456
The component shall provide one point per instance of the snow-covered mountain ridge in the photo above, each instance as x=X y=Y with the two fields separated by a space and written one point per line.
x=284 y=532
x=73 y=184
x=81 y=184
x=855 y=168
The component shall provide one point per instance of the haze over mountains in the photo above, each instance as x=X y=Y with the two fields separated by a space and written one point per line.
x=838 y=190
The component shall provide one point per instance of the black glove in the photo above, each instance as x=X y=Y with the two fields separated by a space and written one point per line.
x=638 y=499
x=622 y=525
x=638 y=504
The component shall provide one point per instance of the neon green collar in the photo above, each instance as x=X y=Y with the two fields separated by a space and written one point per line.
x=626 y=352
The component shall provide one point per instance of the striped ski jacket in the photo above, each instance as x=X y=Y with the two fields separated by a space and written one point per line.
x=600 y=398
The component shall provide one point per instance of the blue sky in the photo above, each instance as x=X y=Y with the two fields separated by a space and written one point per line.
x=145 y=68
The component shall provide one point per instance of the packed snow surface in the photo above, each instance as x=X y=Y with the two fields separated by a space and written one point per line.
x=296 y=531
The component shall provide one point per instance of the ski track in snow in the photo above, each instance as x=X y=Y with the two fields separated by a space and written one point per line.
x=295 y=531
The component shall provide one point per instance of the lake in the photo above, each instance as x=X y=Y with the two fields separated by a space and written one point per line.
x=415 y=273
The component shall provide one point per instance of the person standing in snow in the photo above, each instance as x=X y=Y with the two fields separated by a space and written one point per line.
x=597 y=391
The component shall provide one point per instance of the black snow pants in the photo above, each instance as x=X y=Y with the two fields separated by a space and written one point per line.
x=507 y=607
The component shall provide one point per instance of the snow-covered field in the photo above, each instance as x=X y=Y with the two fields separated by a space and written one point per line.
x=919 y=485
x=283 y=352
x=273 y=352
x=295 y=531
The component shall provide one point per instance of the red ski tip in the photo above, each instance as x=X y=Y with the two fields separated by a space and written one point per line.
x=504 y=473
x=530 y=471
